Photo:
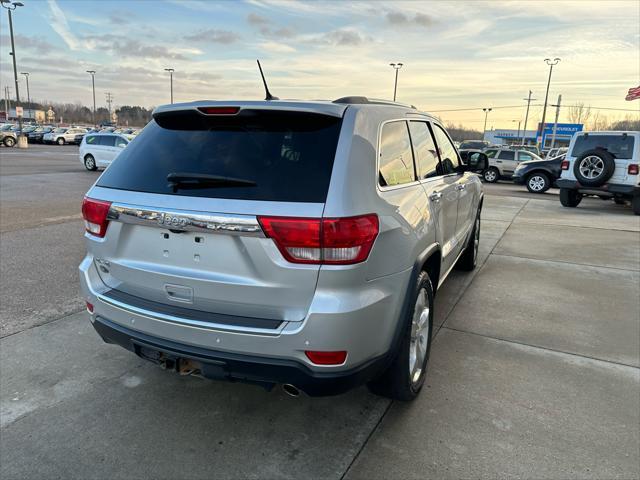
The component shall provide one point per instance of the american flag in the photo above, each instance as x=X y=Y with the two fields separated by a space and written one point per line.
x=633 y=94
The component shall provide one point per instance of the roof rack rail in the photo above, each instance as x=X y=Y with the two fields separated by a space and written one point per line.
x=359 y=100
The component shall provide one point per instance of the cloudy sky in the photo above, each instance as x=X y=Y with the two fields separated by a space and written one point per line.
x=457 y=55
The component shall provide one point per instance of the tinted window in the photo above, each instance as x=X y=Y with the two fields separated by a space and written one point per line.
x=507 y=155
x=490 y=153
x=524 y=156
x=107 y=140
x=448 y=153
x=473 y=145
x=425 y=150
x=91 y=140
x=617 y=145
x=396 y=158
x=289 y=155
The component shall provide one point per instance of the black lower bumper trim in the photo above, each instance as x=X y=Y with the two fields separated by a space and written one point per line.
x=606 y=188
x=217 y=365
x=189 y=313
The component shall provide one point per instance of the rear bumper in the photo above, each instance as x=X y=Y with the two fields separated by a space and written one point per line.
x=217 y=365
x=612 y=188
x=360 y=319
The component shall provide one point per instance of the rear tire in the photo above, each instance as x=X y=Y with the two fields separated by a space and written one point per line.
x=491 y=175
x=404 y=378
x=594 y=167
x=9 y=142
x=90 y=163
x=469 y=258
x=569 y=197
x=635 y=205
x=538 y=182
x=60 y=141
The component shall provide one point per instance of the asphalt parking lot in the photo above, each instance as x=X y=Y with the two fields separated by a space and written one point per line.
x=534 y=373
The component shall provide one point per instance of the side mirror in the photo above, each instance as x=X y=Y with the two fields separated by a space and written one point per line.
x=479 y=161
x=476 y=162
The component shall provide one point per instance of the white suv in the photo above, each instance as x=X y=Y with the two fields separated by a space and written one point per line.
x=603 y=164
x=98 y=150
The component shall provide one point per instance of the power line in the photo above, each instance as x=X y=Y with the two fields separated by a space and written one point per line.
x=534 y=105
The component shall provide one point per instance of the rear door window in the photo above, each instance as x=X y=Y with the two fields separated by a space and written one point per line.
x=524 y=156
x=507 y=155
x=107 y=140
x=396 y=157
x=620 y=146
x=91 y=140
x=287 y=155
x=425 y=150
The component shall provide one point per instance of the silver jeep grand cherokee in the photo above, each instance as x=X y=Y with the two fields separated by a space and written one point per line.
x=281 y=242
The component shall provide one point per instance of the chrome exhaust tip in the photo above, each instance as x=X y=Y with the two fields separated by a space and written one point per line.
x=291 y=390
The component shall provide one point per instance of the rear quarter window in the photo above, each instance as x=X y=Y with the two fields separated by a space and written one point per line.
x=288 y=155
x=620 y=146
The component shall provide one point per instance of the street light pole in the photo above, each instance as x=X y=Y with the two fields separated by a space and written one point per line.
x=26 y=76
x=551 y=64
x=396 y=67
x=526 y=117
x=486 y=113
x=519 y=122
x=11 y=6
x=170 y=70
x=93 y=86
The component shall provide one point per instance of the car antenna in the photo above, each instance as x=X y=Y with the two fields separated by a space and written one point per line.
x=266 y=88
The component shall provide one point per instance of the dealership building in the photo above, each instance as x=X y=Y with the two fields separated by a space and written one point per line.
x=564 y=132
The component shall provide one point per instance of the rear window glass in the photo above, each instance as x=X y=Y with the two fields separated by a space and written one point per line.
x=618 y=145
x=287 y=155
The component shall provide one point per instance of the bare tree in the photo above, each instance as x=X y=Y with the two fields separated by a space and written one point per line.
x=579 y=113
x=599 y=122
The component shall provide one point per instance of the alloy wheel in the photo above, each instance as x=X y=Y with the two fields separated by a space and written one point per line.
x=537 y=183
x=591 y=167
x=420 y=324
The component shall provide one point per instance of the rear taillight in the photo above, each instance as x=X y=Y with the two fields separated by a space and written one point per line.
x=329 y=241
x=326 y=358
x=565 y=165
x=95 y=213
x=89 y=307
x=633 y=169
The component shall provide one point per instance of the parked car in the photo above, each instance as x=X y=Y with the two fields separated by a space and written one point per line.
x=63 y=135
x=8 y=138
x=36 y=136
x=98 y=150
x=605 y=164
x=538 y=175
x=213 y=250
x=503 y=162
x=473 y=145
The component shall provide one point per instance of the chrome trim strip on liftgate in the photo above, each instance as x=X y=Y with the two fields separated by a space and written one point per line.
x=184 y=220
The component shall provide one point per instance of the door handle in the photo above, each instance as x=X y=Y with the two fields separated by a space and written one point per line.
x=461 y=186
x=435 y=196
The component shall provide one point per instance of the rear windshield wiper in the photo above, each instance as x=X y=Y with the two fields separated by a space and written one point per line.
x=186 y=181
